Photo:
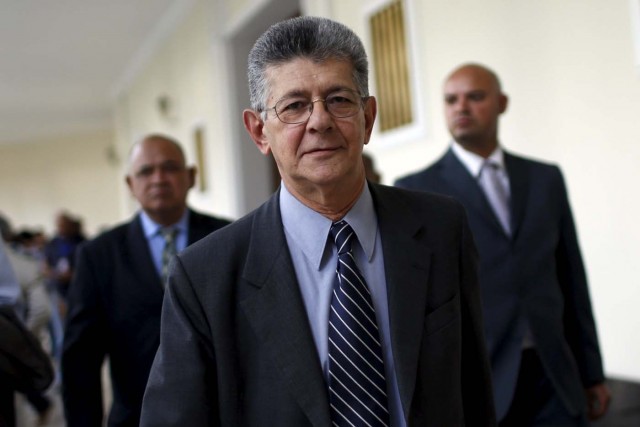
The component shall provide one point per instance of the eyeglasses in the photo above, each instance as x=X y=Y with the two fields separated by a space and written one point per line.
x=297 y=109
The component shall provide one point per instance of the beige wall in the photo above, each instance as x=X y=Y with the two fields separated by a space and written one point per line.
x=183 y=69
x=575 y=98
x=75 y=173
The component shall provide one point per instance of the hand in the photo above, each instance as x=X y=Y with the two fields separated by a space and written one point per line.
x=598 y=398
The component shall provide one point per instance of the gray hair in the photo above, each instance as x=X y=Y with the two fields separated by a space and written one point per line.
x=317 y=39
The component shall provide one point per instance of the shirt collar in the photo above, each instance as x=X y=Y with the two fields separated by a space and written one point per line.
x=152 y=228
x=310 y=229
x=474 y=162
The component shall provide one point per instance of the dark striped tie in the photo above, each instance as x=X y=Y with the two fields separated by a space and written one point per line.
x=357 y=386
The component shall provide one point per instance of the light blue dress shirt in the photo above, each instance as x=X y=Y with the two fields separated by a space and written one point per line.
x=315 y=259
x=9 y=286
x=155 y=240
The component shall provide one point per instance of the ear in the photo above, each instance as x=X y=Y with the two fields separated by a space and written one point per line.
x=191 y=174
x=127 y=179
x=370 y=112
x=503 y=102
x=255 y=126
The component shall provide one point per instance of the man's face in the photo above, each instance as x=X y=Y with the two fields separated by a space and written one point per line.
x=159 y=180
x=472 y=104
x=325 y=150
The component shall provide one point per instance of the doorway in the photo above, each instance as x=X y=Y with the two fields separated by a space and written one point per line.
x=256 y=175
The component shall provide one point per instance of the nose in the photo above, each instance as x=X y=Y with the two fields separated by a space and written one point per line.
x=158 y=174
x=313 y=103
x=461 y=104
x=319 y=118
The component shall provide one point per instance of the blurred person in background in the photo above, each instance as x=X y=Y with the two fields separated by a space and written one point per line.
x=36 y=310
x=59 y=256
x=540 y=329
x=116 y=294
x=9 y=297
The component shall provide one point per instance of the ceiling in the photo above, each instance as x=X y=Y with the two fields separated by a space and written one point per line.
x=62 y=62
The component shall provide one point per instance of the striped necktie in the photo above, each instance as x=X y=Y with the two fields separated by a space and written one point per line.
x=357 y=385
x=169 y=250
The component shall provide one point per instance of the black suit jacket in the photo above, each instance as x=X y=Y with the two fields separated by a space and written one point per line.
x=236 y=348
x=115 y=302
x=535 y=277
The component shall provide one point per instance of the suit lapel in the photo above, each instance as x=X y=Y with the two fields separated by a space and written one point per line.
x=466 y=190
x=406 y=262
x=517 y=171
x=277 y=314
x=197 y=227
x=140 y=261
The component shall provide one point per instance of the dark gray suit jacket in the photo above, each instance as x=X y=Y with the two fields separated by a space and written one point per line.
x=535 y=277
x=236 y=348
x=115 y=302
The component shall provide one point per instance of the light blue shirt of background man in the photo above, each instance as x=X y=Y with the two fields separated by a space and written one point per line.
x=152 y=232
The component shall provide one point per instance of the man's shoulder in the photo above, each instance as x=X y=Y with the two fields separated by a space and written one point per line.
x=433 y=218
x=229 y=238
x=532 y=165
x=415 y=180
x=408 y=200
x=115 y=235
x=207 y=221
x=418 y=180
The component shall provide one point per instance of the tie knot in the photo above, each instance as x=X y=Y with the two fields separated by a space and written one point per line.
x=489 y=165
x=342 y=234
x=169 y=234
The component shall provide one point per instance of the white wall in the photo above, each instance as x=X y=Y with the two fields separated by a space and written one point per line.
x=74 y=173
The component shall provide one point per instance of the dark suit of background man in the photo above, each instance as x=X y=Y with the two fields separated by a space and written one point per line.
x=539 y=324
x=116 y=296
x=244 y=339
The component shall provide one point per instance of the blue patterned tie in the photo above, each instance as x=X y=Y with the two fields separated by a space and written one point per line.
x=169 y=250
x=357 y=386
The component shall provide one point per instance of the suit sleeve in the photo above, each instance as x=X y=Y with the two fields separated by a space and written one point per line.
x=477 y=386
x=84 y=347
x=181 y=390
x=580 y=328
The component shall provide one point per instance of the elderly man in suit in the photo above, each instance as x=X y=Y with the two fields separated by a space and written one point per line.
x=337 y=302
x=540 y=330
x=115 y=298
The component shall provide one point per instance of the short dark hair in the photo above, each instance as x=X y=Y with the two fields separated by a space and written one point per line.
x=309 y=37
